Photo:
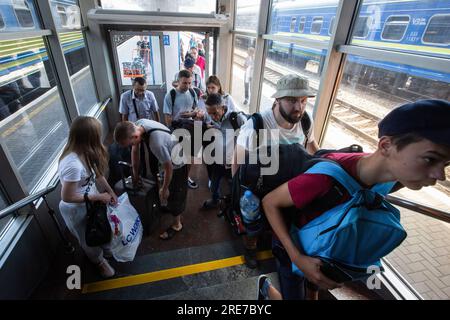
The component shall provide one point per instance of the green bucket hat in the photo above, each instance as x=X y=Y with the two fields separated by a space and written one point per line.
x=292 y=85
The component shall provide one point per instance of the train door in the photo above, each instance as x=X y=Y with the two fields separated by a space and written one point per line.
x=140 y=54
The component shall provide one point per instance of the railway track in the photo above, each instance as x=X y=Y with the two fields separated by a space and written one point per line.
x=357 y=120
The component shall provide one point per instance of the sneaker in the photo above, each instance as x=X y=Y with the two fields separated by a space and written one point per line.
x=192 y=184
x=250 y=258
x=263 y=286
x=106 y=271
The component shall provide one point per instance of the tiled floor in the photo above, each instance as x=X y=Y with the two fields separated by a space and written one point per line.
x=423 y=259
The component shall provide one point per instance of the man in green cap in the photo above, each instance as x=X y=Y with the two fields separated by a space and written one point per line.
x=284 y=125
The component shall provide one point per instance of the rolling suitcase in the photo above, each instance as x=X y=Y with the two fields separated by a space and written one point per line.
x=145 y=199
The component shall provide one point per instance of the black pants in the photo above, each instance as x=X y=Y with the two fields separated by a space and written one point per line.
x=293 y=287
x=218 y=171
x=178 y=191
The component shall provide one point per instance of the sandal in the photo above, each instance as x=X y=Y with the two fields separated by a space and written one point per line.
x=170 y=231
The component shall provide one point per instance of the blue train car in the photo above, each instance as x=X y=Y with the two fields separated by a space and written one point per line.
x=405 y=25
x=20 y=15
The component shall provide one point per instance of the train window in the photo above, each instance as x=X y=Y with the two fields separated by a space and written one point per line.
x=61 y=10
x=23 y=13
x=28 y=91
x=293 y=22
x=362 y=27
x=395 y=28
x=316 y=25
x=301 y=25
x=330 y=29
x=77 y=61
x=2 y=22
x=438 y=30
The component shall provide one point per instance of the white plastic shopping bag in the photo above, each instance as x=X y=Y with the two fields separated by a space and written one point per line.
x=126 y=229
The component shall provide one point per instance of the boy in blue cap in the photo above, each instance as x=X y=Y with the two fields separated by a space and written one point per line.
x=413 y=149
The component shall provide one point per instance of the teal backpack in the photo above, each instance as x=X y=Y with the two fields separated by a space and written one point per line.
x=353 y=235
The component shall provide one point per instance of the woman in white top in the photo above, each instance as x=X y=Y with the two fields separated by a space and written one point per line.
x=213 y=85
x=81 y=168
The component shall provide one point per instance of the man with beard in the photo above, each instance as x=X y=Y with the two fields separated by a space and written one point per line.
x=284 y=127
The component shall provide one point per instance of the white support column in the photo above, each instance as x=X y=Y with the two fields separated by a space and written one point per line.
x=101 y=64
x=260 y=55
x=333 y=66
x=56 y=52
x=225 y=42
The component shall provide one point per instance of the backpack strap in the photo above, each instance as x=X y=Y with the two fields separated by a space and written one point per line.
x=305 y=122
x=234 y=119
x=193 y=94
x=383 y=188
x=173 y=95
x=258 y=124
x=152 y=158
x=135 y=108
x=335 y=171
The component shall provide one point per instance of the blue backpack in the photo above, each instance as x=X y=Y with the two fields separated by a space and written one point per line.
x=355 y=234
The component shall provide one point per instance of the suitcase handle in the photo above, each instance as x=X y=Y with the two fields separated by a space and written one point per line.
x=123 y=164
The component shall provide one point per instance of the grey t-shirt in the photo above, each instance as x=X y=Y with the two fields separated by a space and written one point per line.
x=227 y=144
x=160 y=143
x=183 y=102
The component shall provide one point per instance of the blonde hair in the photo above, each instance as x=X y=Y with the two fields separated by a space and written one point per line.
x=85 y=139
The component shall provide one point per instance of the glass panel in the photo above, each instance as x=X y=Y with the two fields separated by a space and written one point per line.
x=18 y=15
x=286 y=58
x=412 y=26
x=139 y=56
x=438 y=30
x=308 y=19
x=247 y=13
x=424 y=256
x=193 y=6
x=67 y=14
x=368 y=91
x=395 y=28
x=33 y=124
x=77 y=60
x=242 y=71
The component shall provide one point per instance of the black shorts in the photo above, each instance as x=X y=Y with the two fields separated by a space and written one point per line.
x=178 y=191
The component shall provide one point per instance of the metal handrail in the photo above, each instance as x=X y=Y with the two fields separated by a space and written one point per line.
x=420 y=208
x=27 y=200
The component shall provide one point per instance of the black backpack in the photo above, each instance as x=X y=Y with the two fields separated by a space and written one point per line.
x=248 y=177
x=193 y=91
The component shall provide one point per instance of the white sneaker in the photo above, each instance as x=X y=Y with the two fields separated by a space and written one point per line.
x=106 y=271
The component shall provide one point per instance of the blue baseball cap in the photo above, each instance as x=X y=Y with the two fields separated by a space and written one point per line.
x=189 y=63
x=429 y=119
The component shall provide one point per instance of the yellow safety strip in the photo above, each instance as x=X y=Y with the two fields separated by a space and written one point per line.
x=169 y=273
